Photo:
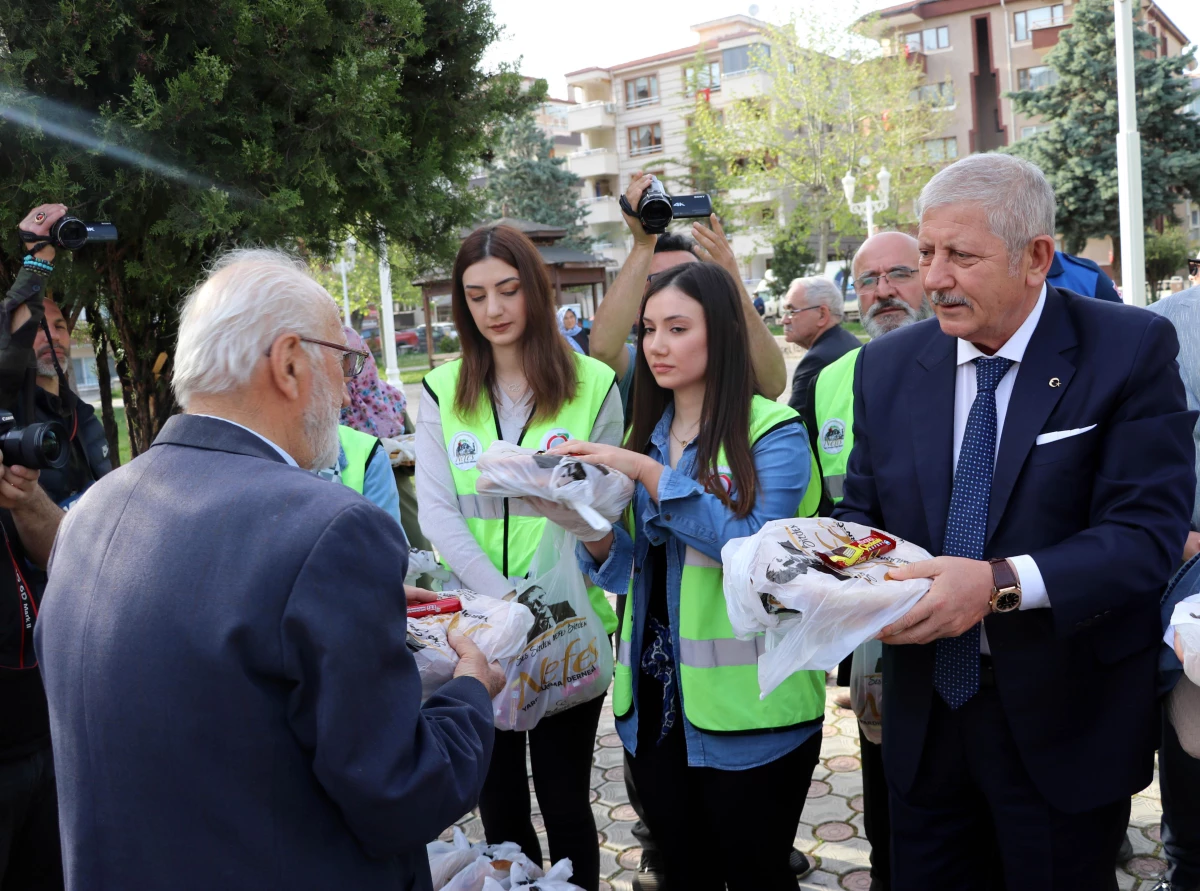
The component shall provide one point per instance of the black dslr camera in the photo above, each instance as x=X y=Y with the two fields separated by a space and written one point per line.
x=38 y=446
x=656 y=209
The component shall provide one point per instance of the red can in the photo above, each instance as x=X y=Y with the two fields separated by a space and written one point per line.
x=436 y=608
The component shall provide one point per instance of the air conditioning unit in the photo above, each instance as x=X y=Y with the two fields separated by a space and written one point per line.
x=610 y=108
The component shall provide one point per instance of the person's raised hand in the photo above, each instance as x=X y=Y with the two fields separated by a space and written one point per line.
x=712 y=246
x=19 y=487
x=39 y=221
x=413 y=594
x=960 y=597
x=637 y=188
x=473 y=664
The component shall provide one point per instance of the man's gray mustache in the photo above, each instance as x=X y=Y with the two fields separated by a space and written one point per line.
x=939 y=298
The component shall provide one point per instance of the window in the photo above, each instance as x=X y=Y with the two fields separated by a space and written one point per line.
x=1196 y=219
x=641 y=91
x=1036 y=78
x=928 y=40
x=1034 y=130
x=708 y=77
x=938 y=95
x=744 y=58
x=938 y=150
x=1024 y=23
x=645 y=140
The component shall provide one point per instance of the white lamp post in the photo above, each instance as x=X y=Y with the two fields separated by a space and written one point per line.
x=868 y=207
x=1129 y=163
x=346 y=265
x=387 y=321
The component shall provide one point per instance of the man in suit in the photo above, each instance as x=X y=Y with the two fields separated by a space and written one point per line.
x=223 y=638
x=1039 y=445
x=812 y=318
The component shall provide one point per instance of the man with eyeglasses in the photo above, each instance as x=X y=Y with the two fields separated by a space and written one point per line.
x=812 y=318
x=1194 y=270
x=232 y=700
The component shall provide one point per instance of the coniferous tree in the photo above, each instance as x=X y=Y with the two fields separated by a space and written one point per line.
x=1078 y=153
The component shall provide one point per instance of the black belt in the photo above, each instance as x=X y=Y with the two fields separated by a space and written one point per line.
x=987 y=671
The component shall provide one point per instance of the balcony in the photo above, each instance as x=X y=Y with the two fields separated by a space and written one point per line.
x=745 y=84
x=591 y=116
x=593 y=162
x=601 y=210
x=1045 y=37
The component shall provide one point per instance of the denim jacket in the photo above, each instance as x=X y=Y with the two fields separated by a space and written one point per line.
x=686 y=514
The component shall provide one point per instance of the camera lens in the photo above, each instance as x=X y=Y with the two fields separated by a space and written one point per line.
x=50 y=447
x=38 y=446
x=71 y=233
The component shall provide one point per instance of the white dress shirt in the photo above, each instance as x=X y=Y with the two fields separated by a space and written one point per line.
x=282 y=454
x=1033 y=588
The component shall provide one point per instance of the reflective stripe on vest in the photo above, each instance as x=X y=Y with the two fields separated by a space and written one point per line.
x=358 y=448
x=718 y=673
x=507 y=529
x=833 y=405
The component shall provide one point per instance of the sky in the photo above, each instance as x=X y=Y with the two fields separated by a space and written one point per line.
x=552 y=37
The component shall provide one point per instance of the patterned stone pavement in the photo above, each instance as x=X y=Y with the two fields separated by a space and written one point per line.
x=831 y=829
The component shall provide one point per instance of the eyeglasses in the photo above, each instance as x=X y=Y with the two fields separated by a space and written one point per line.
x=1194 y=266
x=353 y=361
x=869 y=282
x=788 y=312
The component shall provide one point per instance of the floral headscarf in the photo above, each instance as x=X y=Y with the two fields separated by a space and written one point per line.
x=569 y=335
x=376 y=407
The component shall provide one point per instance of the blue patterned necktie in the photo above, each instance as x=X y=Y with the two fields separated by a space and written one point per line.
x=956 y=660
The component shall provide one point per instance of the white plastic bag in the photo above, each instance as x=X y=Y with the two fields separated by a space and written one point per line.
x=1185 y=620
x=448 y=859
x=866 y=689
x=401 y=450
x=554 y=880
x=813 y=616
x=567 y=658
x=597 y=493
x=424 y=563
x=500 y=628
x=459 y=865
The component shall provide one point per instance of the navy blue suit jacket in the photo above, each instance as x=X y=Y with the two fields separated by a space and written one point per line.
x=1104 y=514
x=232 y=703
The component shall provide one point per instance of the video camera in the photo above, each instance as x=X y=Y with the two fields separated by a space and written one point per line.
x=38 y=446
x=72 y=234
x=656 y=209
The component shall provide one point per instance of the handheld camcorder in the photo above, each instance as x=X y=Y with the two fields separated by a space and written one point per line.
x=73 y=234
x=38 y=446
x=656 y=209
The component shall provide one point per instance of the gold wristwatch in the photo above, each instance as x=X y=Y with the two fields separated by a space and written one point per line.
x=1006 y=586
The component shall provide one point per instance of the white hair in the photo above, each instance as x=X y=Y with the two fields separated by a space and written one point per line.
x=248 y=299
x=1013 y=193
x=820 y=291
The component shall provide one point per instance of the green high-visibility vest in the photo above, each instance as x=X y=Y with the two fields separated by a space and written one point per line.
x=833 y=404
x=507 y=529
x=359 y=449
x=718 y=674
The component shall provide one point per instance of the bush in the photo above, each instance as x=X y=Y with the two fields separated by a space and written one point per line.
x=447 y=344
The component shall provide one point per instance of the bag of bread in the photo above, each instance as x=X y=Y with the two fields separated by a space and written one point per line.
x=816 y=588
x=498 y=627
x=519 y=878
x=598 y=494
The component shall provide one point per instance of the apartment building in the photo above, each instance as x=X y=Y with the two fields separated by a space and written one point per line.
x=975 y=52
x=634 y=116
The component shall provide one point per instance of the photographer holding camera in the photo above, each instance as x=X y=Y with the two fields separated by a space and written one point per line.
x=30 y=853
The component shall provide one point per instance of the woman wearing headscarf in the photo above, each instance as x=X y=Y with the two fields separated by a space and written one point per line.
x=569 y=327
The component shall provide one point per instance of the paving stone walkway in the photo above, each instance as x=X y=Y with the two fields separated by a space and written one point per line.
x=831 y=829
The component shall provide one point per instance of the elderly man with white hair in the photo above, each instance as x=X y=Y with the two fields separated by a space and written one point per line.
x=223 y=639
x=1038 y=444
x=812 y=318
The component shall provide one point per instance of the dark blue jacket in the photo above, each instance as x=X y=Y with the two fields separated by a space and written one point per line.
x=1082 y=276
x=1104 y=514
x=232 y=703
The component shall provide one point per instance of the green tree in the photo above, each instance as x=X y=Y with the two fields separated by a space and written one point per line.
x=793 y=257
x=197 y=125
x=831 y=99
x=1078 y=153
x=1167 y=253
x=525 y=182
x=362 y=279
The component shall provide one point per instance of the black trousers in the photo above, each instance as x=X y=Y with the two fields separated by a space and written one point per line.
x=30 y=851
x=1179 y=779
x=560 y=751
x=718 y=828
x=876 y=813
x=973 y=820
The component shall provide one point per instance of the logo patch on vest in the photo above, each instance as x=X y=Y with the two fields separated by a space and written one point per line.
x=465 y=450
x=833 y=436
x=556 y=437
x=725 y=478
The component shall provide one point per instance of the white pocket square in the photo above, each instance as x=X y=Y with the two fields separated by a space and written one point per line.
x=1062 y=434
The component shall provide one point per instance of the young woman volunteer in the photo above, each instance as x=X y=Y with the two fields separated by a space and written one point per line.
x=722 y=774
x=520 y=381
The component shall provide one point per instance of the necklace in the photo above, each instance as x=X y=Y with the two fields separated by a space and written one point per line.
x=684 y=442
x=513 y=388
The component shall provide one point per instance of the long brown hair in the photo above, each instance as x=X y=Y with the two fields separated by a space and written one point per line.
x=725 y=415
x=546 y=355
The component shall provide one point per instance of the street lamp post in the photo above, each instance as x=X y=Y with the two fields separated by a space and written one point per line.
x=346 y=265
x=869 y=206
x=387 y=320
x=1129 y=162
